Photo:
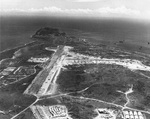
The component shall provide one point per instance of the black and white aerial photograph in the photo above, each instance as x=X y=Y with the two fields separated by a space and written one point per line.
x=74 y=59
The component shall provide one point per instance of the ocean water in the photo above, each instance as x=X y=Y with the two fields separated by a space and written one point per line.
x=15 y=31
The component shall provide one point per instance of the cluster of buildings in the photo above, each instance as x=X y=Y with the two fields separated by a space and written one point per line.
x=14 y=74
x=50 y=112
x=38 y=60
x=133 y=115
x=83 y=59
x=104 y=113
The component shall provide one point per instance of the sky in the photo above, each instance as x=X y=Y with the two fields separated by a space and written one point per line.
x=96 y=8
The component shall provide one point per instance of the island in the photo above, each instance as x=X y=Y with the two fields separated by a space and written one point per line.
x=58 y=76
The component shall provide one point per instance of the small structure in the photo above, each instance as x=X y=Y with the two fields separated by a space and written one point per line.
x=38 y=60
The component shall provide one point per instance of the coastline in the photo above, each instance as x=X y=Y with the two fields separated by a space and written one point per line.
x=20 y=46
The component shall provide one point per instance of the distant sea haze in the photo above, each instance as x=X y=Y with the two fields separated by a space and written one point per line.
x=16 y=31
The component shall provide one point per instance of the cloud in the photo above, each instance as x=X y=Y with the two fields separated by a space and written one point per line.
x=59 y=10
x=50 y=10
x=46 y=9
x=104 y=11
x=118 y=10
